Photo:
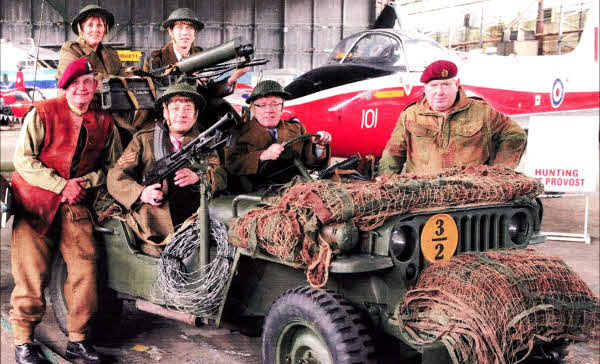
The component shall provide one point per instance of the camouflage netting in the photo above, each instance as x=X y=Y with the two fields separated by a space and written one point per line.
x=493 y=307
x=290 y=228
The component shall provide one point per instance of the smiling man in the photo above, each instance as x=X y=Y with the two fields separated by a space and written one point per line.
x=258 y=157
x=445 y=128
x=63 y=152
x=183 y=27
x=155 y=210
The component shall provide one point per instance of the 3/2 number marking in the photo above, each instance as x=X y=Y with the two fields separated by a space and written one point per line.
x=440 y=230
x=439 y=248
x=439 y=238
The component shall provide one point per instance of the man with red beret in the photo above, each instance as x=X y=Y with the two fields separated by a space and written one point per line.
x=445 y=128
x=63 y=152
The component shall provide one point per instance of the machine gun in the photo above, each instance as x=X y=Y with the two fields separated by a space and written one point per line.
x=135 y=93
x=348 y=163
x=209 y=63
x=167 y=165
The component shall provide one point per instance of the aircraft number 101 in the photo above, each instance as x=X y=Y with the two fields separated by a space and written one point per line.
x=369 y=118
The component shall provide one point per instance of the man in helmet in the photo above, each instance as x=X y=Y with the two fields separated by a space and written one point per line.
x=156 y=209
x=445 y=128
x=183 y=26
x=258 y=152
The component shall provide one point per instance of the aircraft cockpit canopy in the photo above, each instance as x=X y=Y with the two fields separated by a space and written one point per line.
x=375 y=49
x=386 y=49
x=367 y=55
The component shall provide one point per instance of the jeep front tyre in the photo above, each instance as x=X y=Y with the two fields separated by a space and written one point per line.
x=309 y=325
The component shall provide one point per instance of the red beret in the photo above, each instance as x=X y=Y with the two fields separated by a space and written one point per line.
x=439 y=70
x=78 y=67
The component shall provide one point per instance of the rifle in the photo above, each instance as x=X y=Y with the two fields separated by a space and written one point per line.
x=206 y=64
x=348 y=163
x=200 y=145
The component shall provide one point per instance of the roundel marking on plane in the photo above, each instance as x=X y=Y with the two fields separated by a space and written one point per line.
x=558 y=93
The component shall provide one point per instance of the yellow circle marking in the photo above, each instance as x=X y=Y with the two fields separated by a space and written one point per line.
x=439 y=238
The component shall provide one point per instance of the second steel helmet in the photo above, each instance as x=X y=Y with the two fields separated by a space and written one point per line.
x=183 y=14
x=92 y=10
x=268 y=88
x=182 y=89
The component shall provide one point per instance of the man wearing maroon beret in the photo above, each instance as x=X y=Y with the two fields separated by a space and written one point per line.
x=63 y=152
x=445 y=128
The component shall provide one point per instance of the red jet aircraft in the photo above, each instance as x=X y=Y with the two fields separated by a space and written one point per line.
x=373 y=75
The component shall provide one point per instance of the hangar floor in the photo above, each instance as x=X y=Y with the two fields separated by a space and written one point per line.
x=145 y=338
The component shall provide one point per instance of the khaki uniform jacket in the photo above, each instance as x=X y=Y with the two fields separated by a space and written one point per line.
x=153 y=223
x=105 y=59
x=243 y=158
x=472 y=133
x=166 y=56
x=213 y=93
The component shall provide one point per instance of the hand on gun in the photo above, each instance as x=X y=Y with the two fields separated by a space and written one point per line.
x=74 y=191
x=185 y=177
x=152 y=195
x=239 y=72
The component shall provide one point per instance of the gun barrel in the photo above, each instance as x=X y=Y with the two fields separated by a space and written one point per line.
x=215 y=55
x=350 y=162
x=168 y=164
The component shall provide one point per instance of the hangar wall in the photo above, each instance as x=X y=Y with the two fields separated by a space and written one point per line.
x=294 y=34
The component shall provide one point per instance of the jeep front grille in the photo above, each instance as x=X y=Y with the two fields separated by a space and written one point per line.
x=479 y=229
x=480 y=232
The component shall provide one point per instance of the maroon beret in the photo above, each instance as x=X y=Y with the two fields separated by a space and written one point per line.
x=439 y=70
x=78 y=67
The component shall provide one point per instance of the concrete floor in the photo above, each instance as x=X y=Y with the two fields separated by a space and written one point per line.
x=144 y=338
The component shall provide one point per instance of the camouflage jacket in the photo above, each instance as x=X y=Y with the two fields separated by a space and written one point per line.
x=105 y=59
x=243 y=158
x=124 y=184
x=471 y=133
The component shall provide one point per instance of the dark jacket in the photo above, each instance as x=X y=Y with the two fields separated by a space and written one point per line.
x=243 y=158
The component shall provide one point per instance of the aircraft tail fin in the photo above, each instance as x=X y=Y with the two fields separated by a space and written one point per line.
x=20 y=81
x=387 y=18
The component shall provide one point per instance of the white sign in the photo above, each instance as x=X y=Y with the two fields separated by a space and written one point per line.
x=562 y=152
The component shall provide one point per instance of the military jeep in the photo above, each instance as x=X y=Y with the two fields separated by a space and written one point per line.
x=367 y=279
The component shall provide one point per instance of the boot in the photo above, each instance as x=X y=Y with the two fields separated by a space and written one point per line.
x=30 y=353
x=84 y=350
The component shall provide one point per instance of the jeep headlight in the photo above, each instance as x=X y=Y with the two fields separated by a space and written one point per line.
x=518 y=228
x=402 y=243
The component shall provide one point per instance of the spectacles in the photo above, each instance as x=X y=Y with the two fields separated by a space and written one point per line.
x=269 y=106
